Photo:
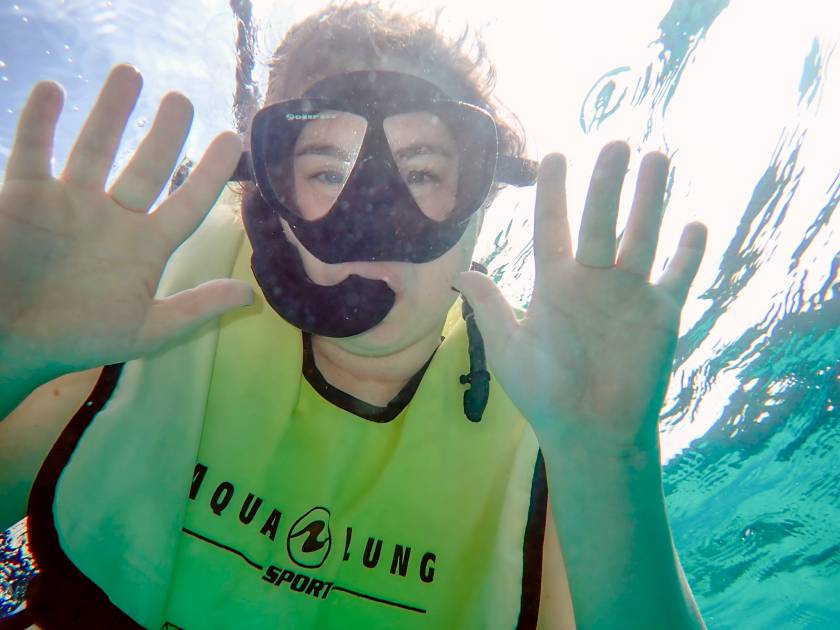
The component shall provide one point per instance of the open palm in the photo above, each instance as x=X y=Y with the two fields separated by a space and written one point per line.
x=80 y=265
x=593 y=355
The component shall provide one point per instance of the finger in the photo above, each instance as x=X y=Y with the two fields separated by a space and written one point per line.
x=495 y=318
x=33 y=144
x=93 y=153
x=185 y=209
x=148 y=171
x=176 y=316
x=681 y=271
x=551 y=223
x=638 y=244
x=596 y=240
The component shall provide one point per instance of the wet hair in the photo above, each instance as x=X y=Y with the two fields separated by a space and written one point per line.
x=347 y=36
x=318 y=47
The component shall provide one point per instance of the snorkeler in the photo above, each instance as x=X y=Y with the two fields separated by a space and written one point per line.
x=280 y=436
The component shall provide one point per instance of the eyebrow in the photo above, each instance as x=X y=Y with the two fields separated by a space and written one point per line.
x=404 y=153
x=416 y=149
x=329 y=150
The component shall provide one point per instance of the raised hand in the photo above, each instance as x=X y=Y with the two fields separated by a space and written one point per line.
x=593 y=356
x=79 y=266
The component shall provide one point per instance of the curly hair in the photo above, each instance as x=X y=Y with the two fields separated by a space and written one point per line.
x=353 y=35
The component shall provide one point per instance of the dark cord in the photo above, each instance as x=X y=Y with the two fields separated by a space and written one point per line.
x=247 y=96
x=245 y=99
x=478 y=378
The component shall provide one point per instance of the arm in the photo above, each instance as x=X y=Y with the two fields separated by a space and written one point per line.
x=622 y=568
x=589 y=367
x=29 y=431
x=14 y=386
x=555 y=600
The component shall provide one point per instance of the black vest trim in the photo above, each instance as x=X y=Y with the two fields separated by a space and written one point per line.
x=350 y=403
x=532 y=549
x=60 y=592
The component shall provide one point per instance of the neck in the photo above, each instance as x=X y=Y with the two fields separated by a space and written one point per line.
x=372 y=379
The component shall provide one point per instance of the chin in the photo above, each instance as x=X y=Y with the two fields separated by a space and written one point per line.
x=397 y=331
x=387 y=337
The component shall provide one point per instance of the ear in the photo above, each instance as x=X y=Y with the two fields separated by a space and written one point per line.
x=479 y=220
x=474 y=229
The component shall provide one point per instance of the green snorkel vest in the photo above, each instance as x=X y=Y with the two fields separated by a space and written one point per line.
x=217 y=487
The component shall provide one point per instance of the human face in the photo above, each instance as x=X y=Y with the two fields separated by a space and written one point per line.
x=426 y=156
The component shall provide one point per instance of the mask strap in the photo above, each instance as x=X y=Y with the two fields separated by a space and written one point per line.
x=478 y=378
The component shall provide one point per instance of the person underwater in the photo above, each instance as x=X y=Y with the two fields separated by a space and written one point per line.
x=302 y=406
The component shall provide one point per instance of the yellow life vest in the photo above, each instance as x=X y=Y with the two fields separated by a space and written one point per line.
x=238 y=496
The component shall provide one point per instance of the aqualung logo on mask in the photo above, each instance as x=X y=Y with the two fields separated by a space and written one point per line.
x=308 y=116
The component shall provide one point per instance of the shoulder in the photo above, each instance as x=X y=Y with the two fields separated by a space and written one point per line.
x=556 y=611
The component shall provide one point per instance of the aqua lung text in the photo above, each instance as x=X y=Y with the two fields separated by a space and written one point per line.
x=308 y=538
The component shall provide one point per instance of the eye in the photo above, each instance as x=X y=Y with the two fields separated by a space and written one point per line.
x=331 y=178
x=422 y=177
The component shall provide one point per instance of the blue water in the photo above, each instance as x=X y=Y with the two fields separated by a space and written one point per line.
x=741 y=95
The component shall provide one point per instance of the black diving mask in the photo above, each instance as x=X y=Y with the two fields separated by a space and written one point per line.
x=365 y=166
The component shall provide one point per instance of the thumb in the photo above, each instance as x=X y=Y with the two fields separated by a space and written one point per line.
x=174 y=317
x=493 y=314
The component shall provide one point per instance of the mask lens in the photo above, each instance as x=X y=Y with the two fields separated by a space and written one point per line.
x=309 y=166
x=424 y=150
x=443 y=157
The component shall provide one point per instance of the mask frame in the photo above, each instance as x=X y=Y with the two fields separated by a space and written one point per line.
x=394 y=229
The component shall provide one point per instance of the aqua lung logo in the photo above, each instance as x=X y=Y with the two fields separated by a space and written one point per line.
x=308 y=116
x=309 y=541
